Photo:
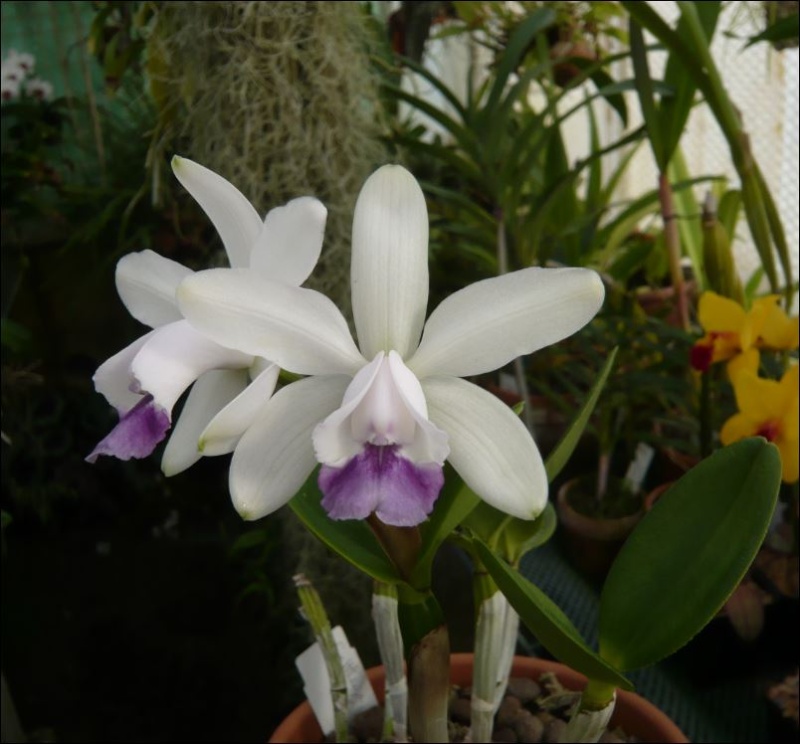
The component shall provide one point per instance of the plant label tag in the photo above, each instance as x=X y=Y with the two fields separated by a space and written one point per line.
x=317 y=684
x=637 y=470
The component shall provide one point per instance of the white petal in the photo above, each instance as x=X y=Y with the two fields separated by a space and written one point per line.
x=334 y=443
x=234 y=218
x=429 y=444
x=212 y=392
x=113 y=378
x=487 y=324
x=490 y=447
x=389 y=266
x=300 y=330
x=275 y=456
x=146 y=282
x=290 y=242
x=224 y=431
x=175 y=357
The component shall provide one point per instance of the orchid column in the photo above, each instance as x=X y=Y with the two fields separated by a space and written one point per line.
x=382 y=417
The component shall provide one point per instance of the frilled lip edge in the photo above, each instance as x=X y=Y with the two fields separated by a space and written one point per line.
x=137 y=433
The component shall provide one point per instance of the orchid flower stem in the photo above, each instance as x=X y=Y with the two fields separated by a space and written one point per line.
x=390 y=643
x=401 y=544
x=672 y=242
x=315 y=613
x=591 y=714
x=428 y=655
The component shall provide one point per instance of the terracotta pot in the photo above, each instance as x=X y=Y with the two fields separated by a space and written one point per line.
x=634 y=714
x=591 y=543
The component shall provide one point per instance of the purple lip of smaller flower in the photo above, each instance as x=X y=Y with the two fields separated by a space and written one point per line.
x=400 y=492
x=137 y=433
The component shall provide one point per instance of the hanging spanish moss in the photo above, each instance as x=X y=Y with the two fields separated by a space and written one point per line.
x=280 y=99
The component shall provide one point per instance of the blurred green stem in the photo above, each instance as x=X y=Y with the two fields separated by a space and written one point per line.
x=672 y=241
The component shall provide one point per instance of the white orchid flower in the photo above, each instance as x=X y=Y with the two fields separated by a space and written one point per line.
x=145 y=380
x=38 y=88
x=383 y=417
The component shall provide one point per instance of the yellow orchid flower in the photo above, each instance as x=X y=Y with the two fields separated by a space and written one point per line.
x=734 y=334
x=768 y=409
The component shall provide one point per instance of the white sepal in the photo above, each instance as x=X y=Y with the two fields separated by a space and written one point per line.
x=275 y=456
x=484 y=326
x=146 y=283
x=233 y=216
x=489 y=446
x=389 y=265
x=300 y=330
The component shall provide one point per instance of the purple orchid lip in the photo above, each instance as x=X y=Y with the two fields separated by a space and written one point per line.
x=400 y=492
x=137 y=433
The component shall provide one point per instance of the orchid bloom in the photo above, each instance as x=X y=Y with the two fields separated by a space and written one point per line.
x=735 y=335
x=40 y=89
x=383 y=417
x=769 y=409
x=145 y=380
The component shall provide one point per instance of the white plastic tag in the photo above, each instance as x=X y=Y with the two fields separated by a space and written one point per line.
x=638 y=467
x=312 y=668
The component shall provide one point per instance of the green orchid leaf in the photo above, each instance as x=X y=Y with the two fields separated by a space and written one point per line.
x=510 y=537
x=644 y=90
x=462 y=135
x=687 y=555
x=783 y=30
x=688 y=211
x=729 y=209
x=561 y=453
x=594 y=181
x=604 y=84
x=520 y=536
x=352 y=539
x=454 y=504
x=485 y=522
x=517 y=46
x=437 y=83
x=550 y=625
x=674 y=109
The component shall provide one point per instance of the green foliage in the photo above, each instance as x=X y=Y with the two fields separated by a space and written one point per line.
x=550 y=625
x=351 y=539
x=560 y=455
x=689 y=46
x=502 y=192
x=688 y=554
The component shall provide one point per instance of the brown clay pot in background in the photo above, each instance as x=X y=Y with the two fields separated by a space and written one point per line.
x=633 y=713
x=591 y=543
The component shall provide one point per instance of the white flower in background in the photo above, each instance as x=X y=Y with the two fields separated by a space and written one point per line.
x=10 y=89
x=144 y=381
x=382 y=418
x=17 y=66
x=38 y=88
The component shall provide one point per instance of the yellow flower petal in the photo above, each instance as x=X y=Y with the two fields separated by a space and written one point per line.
x=779 y=331
x=747 y=360
x=719 y=314
x=737 y=427
x=762 y=400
